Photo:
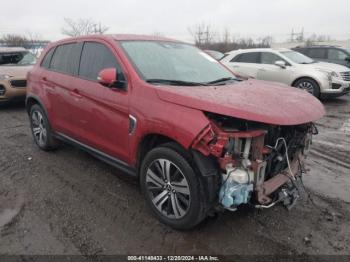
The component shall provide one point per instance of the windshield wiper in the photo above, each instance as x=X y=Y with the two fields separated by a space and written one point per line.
x=175 y=82
x=224 y=79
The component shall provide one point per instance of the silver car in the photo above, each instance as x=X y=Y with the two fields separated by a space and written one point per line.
x=292 y=68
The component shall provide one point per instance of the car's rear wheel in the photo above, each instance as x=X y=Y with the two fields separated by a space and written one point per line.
x=308 y=85
x=171 y=188
x=41 y=129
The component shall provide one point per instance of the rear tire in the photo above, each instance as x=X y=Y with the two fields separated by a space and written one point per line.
x=171 y=188
x=41 y=129
x=309 y=85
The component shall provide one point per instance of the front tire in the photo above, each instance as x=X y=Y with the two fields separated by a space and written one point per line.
x=171 y=188
x=41 y=129
x=309 y=85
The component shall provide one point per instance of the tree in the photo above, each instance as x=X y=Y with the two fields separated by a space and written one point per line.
x=82 y=26
x=206 y=38
x=12 y=40
x=314 y=38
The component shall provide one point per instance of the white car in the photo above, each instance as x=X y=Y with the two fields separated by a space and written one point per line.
x=292 y=68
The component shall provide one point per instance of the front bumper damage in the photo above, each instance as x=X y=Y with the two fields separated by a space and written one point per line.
x=244 y=160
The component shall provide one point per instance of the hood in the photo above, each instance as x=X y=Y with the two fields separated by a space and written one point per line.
x=330 y=67
x=15 y=71
x=252 y=100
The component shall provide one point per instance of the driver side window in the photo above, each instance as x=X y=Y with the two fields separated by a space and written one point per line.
x=96 y=57
x=270 y=58
x=336 y=54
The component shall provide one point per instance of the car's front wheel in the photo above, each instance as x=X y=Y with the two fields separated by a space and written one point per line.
x=308 y=85
x=171 y=188
x=41 y=129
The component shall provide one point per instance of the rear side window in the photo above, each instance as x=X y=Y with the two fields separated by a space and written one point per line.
x=94 y=58
x=66 y=58
x=47 y=59
x=317 y=53
x=252 y=57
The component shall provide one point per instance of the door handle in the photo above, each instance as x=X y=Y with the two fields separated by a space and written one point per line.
x=47 y=83
x=75 y=93
x=262 y=69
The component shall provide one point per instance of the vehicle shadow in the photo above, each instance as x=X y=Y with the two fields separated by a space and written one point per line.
x=12 y=106
x=336 y=101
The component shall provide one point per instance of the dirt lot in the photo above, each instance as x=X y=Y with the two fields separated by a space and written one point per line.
x=67 y=202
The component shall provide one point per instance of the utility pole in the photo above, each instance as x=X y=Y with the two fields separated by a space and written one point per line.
x=297 y=37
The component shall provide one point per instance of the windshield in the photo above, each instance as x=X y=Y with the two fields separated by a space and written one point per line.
x=159 y=60
x=297 y=57
x=17 y=59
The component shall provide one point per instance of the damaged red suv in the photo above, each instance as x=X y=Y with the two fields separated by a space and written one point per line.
x=197 y=138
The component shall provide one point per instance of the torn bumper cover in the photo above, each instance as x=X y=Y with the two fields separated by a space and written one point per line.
x=256 y=165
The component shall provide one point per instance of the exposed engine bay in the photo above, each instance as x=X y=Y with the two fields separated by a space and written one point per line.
x=260 y=164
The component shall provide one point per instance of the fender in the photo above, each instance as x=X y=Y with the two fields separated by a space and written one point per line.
x=37 y=100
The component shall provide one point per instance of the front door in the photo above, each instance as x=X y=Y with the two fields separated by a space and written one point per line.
x=338 y=56
x=269 y=71
x=102 y=113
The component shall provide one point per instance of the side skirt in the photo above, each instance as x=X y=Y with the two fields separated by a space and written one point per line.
x=122 y=166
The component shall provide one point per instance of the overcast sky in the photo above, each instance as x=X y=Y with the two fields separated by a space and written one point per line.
x=244 y=18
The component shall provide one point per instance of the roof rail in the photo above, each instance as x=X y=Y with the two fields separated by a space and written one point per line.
x=322 y=46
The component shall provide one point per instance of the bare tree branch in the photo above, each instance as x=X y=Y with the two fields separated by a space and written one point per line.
x=13 y=40
x=82 y=26
x=206 y=38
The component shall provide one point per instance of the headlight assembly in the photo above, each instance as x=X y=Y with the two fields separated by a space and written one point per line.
x=4 y=76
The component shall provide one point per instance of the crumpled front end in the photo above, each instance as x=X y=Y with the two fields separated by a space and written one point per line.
x=260 y=164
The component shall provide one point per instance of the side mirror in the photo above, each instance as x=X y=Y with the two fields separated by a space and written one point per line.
x=347 y=59
x=107 y=77
x=281 y=64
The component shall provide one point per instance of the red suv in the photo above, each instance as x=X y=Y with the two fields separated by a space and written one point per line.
x=198 y=139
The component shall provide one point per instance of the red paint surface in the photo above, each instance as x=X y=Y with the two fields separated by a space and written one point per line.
x=251 y=100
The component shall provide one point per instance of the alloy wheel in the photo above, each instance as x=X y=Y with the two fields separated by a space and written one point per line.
x=39 y=128
x=307 y=86
x=168 y=189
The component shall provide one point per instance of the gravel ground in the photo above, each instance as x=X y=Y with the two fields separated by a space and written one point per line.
x=67 y=202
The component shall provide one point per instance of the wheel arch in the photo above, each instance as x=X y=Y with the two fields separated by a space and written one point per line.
x=150 y=141
x=206 y=165
x=307 y=77
x=32 y=100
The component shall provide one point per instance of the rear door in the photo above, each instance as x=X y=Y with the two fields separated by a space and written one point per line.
x=102 y=113
x=58 y=82
x=245 y=64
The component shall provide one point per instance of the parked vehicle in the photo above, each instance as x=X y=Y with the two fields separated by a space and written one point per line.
x=216 y=54
x=15 y=62
x=291 y=68
x=164 y=111
x=330 y=54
